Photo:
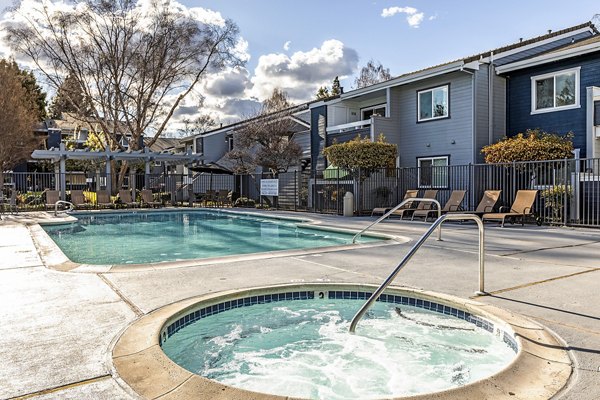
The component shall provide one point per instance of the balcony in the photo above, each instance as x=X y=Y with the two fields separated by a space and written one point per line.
x=369 y=128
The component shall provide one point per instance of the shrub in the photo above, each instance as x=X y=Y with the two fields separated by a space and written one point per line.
x=244 y=202
x=533 y=145
x=362 y=153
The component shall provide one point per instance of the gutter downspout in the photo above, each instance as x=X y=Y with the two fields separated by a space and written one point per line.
x=491 y=76
x=473 y=114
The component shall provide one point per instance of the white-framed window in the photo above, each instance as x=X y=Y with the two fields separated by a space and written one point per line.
x=367 y=112
x=433 y=103
x=230 y=143
x=555 y=91
x=433 y=172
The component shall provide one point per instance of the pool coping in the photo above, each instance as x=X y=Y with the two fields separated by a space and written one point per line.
x=54 y=258
x=541 y=368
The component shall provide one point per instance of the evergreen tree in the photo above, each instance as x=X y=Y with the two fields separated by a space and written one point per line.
x=336 y=89
x=322 y=93
x=69 y=98
x=33 y=91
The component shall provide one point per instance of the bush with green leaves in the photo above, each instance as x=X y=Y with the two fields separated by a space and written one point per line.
x=533 y=145
x=362 y=153
x=244 y=202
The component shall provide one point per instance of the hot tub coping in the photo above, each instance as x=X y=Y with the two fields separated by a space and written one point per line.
x=542 y=366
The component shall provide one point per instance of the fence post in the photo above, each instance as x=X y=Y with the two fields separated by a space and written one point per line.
x=565 y=197
x=296 y=190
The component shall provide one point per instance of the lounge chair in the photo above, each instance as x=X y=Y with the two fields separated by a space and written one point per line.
x=521 y=208
x=222 y=197
x=148 y=199
x=487 y=203
x=411 y=193
x=423 y=205
x=78 y=199
x=103 y=199
x=125 y=196
x=52 y=196
x=209 y=196
x=453 y=204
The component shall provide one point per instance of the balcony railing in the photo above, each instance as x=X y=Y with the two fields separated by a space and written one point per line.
x=349 y=126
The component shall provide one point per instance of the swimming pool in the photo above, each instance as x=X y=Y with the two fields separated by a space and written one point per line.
x=152 y=237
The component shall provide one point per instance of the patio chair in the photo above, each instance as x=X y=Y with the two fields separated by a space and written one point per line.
x=9 y=203
x=521 y=208
x=411 y=193
x=453 y=204
x=487 y=203
x=125 y=196
x=223 y=197
x=103 y=199
x=78 y=199
x=52 y=196
x=423 y=205
x=209 y=196
x=148 y=199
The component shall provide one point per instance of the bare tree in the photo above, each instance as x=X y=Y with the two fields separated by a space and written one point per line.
x=17 y=120
x=201 y=124
x=134 y=62
x=371 y=74
x=265 y=139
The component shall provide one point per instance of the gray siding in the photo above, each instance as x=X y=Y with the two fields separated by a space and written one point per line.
x=303 y=139
x=499 y=129
x=388 y=127
x=413 y=137
x=215 y=147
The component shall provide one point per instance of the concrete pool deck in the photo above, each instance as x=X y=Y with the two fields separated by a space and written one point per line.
x=58 y=328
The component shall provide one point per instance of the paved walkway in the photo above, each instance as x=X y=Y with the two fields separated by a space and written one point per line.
x=58 y=327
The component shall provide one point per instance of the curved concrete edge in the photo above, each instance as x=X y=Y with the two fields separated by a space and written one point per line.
x=54 y=258
x=541 y=368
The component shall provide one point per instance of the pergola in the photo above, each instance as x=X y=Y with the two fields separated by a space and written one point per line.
x=61 y=155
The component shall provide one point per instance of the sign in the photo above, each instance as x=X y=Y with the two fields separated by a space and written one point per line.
x=269 y=187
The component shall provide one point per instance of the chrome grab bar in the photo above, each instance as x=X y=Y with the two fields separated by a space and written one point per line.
x=403 y=202
x=71 y=208
x=412 y=252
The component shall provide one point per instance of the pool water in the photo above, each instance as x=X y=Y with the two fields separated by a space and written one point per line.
x=303 y=349
x=136 y=238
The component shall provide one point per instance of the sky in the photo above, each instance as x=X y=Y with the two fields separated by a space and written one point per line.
x=301 y=45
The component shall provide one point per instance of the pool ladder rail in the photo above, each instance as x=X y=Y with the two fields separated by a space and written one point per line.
x=436 y=224
x=71 y=206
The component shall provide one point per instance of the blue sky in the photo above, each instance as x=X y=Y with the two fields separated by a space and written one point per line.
x=457 y=28
x=300 y=45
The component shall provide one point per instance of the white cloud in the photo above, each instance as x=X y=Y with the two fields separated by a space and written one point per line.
x=302 y=73
x=432 y=17
x=413 y=16
x=286 y=45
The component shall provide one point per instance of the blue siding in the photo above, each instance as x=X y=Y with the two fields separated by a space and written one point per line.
x=519 y=116
x=316 y=140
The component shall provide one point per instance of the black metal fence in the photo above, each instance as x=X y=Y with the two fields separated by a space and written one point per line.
x=568 y=190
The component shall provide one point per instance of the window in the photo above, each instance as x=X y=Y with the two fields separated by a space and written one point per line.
x=433 y=103
x=230 y=143
x=555 y=91
x=200 y=145
x=433 y=172
x=375 y=110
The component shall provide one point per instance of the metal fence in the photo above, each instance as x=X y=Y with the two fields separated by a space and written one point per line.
x=568 y=190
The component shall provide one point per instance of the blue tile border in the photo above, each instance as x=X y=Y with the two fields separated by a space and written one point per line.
x=194 y=316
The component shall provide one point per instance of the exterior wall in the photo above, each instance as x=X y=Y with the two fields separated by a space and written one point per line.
x=350 y=110
x=499 y=107
x=413 y=136
x=519 y=116
x=318 y=124
x=215 y=147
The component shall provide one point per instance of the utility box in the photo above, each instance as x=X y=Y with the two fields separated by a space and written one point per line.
x=349 y=204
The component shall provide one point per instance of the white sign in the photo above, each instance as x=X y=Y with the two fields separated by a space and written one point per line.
x=269 y=187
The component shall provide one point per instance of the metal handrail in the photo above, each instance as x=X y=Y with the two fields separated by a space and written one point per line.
x=412 y=252
x=403 y=202
x=71 y=208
